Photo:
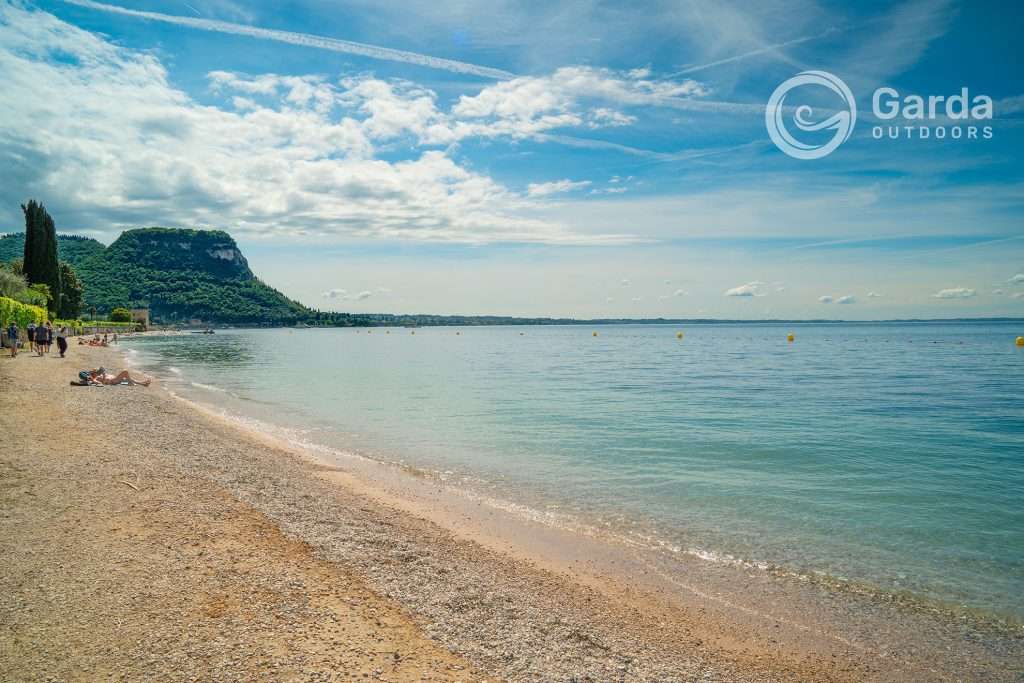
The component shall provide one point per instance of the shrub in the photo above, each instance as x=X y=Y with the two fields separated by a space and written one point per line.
x=23 y=314
x=121 y=315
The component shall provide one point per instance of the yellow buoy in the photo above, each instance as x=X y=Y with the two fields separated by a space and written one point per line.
x=413 y=332
x=679 y=335
x=1020 y=341
x=595 y=334
x=790 y=337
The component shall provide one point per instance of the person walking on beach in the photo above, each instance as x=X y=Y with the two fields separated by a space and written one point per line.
x=30 y=331
x=41 y=340
x=62 y=340
x=47 y=336
x=12 y=338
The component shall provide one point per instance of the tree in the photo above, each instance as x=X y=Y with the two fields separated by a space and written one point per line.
x=43 y=295
x=11 y=284
x=121 y=315
x=70 y=304
x=40 y=264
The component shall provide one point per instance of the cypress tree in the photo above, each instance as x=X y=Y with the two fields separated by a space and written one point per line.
x=41 y=265
x=32 y=225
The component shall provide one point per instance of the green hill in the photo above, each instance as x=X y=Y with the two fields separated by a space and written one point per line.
x=71 y=248
x=178 y=274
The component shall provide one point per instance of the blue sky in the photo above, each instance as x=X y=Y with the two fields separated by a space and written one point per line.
x=578 y=158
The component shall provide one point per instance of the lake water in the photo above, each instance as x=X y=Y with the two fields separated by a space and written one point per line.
x=889 y=454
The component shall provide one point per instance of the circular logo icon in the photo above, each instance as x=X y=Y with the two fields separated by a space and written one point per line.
x=841 y=122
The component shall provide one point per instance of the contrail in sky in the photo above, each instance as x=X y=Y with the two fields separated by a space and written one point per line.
x=305 y=40
x=752 y=53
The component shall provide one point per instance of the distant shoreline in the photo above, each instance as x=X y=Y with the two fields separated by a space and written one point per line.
x=486 y=321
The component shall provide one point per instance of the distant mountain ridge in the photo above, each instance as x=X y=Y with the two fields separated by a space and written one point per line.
x=179 y=274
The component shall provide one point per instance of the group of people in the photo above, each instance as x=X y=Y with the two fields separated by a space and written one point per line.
x=96 y=341
x=40 y=338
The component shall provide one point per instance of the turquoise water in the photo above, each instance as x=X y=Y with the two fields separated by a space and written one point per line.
x=891 y=454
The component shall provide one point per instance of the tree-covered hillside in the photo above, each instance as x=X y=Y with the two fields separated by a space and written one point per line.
x=178 y=274
x=71 y=248
x=181 y=275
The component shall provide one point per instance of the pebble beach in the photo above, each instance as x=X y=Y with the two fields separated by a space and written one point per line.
x=144 y=539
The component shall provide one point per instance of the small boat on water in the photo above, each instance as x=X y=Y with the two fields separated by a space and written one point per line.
x=206 y=331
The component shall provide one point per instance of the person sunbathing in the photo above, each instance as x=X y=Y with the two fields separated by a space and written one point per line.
x=101 y=376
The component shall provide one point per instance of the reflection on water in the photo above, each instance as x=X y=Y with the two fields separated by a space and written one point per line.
x=212 y=350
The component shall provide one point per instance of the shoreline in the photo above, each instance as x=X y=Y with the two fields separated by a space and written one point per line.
x=481 y=589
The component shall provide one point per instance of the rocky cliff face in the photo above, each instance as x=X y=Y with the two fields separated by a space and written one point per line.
x=213 y=252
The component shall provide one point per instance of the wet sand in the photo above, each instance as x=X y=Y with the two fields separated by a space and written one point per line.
x=143 y=537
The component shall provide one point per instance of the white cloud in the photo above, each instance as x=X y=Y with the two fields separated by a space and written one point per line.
x=825 y=299
x=602 y=117
x=100 y=131
x=747 y=290
x=528 y=105
x=998 y=292
x=356 y=296
x=555 y=187
x=848 y=299
x=1017 y=279
x=955 y=293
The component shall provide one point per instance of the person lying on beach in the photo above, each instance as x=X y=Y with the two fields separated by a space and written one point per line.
x=101 y=376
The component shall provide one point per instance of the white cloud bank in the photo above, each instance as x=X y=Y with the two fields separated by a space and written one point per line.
x=100 y=132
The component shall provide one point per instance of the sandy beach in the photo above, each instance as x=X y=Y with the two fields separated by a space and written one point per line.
x=145 y=539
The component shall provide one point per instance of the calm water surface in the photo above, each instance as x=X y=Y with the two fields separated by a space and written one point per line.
x=891 y=454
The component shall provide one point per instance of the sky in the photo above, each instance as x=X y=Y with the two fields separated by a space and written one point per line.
x=579 y=158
